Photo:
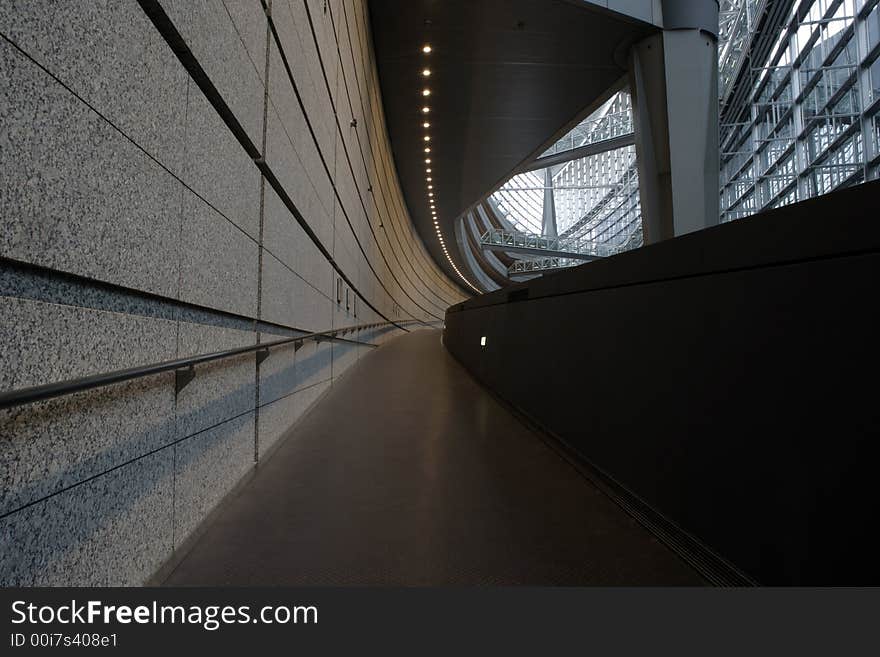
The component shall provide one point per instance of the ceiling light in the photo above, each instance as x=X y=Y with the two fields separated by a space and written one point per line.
x=430 y=186
x=426 y=125
x=427 y=150
x=425 y=110
x=426 y=72
x=428 y=178
x=426 y=49
x=428 y=170
x=427 y=138
x=426 y=92
x=427 y=160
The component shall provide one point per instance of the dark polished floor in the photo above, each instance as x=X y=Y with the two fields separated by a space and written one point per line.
x=409 y=473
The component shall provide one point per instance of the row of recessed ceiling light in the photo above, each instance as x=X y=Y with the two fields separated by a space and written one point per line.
x=429 y=178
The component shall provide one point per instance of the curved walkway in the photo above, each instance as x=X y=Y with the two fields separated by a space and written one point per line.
x=407 y=472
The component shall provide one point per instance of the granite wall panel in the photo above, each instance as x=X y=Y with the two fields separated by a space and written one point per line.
x=141 y=87
x=218 y=265
x=298 y=44
x=280 y=416
x=120 y=178
x=217 y=168
x=221 y=389
x=289 y=300
x=286 y=164
x=77 y=195
x=285 y=239
x=53 y=444
x=206 y=467
x=114 y=530
x=306 y=175
x=214 y=39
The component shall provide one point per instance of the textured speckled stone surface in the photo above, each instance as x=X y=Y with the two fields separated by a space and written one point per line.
x=278 y=372
x=218 y=168
x=292 y=24
x=219 y=264
x=179 y=11
x=313 y=364
x=207 y=466
x=286 y=164
x=138 y=71
x=291 y=151
x=275 y=419
x=37 y=284
x=326 y=38
x=287 y=298
x=115 y=530
x=57 y=443
x=221 y=389
x=213 y=39
x=78 y=196
x=278 y=417
x=285 y=239
x=52 y=342
x=344 y=356
x=251 y=25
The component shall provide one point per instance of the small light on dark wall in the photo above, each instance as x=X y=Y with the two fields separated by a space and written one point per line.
x=483 y=341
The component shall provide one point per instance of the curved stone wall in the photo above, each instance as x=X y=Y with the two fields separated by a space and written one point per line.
x=181 y=177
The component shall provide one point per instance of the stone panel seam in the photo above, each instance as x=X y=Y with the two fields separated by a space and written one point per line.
x=401 y=268
x=156 y=13
x=444 y=279
x=122 y=133
x=333 y=182
x=260 y=250
x=381 y=181
x=21 y=280
x=123 y=464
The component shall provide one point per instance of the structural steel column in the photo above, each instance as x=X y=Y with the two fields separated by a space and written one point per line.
x=548 y=221
x=674 y=85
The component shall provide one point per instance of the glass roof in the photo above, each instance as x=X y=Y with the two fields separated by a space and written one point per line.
x=586 y=191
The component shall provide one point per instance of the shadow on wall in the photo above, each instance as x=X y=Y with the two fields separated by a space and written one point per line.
x=114 y=517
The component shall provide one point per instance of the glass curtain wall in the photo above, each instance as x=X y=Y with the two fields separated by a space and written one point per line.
x=802 y=121
x=596 y=198
x=811 y=122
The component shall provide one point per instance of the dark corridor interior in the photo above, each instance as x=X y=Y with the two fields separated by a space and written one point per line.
x=408 y=472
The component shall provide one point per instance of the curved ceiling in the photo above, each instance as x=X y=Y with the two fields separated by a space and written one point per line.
x=506 y=77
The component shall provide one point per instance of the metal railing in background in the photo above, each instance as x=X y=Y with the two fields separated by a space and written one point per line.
x=184 y=368
x=533 y=265
x=529 y=243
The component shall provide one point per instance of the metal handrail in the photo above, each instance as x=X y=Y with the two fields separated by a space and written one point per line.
x=568 y=247
x=182 y=366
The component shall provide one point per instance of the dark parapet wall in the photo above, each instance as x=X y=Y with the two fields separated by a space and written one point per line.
x=179 y=178
x=724 y=378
